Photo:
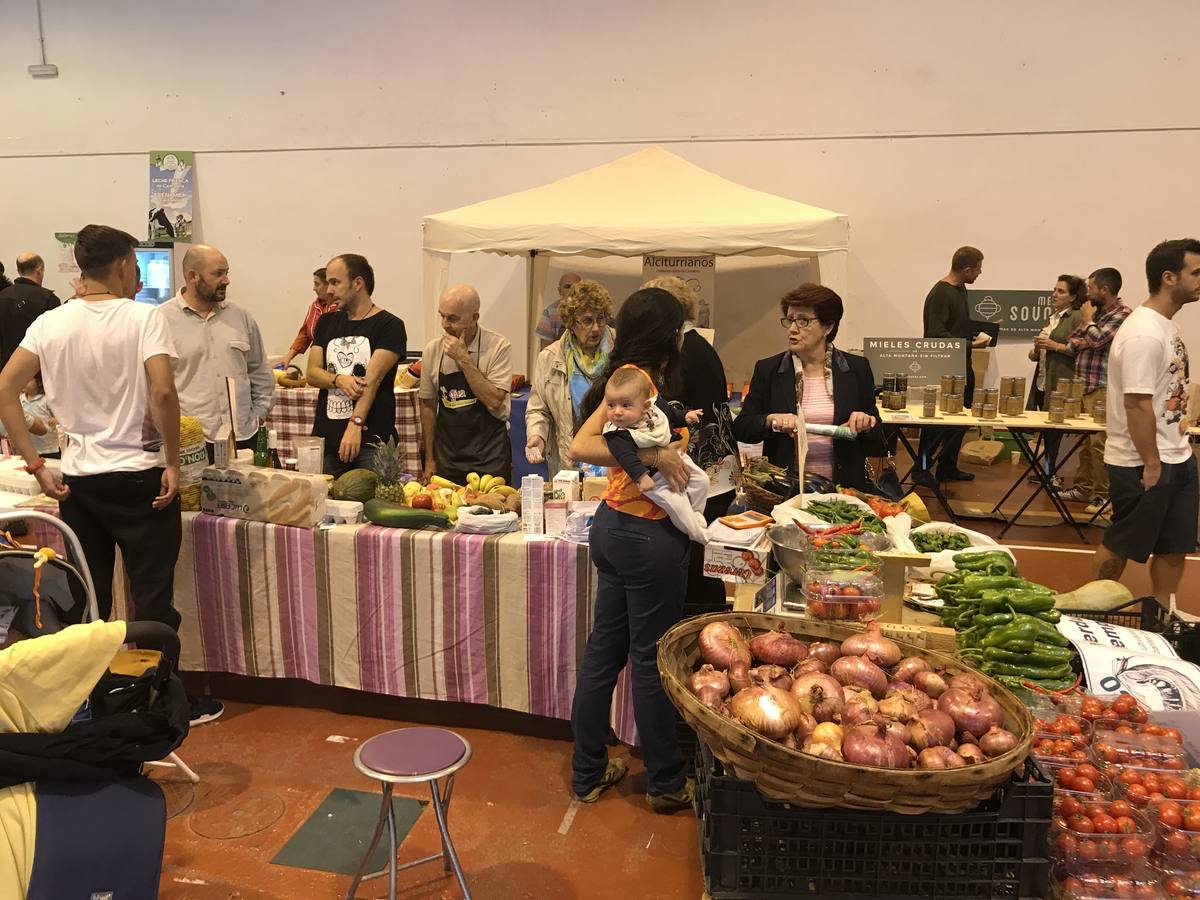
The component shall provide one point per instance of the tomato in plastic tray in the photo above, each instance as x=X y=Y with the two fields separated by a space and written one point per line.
x=1074 y=785
x=843 y=594
x=1177 y=823
x=1144 y=786
x=1103 y=706
x=1062 y=739
x=1104 y=837
x=1092 y=886
x=1177 y=884
x=1147 y=746
x=1141 y=884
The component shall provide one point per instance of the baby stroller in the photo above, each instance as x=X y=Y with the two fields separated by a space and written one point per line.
x=74 y=736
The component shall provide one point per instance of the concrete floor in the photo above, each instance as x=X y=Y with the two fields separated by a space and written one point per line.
x=264 y=769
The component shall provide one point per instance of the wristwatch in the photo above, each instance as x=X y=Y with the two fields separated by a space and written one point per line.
x=357 y=420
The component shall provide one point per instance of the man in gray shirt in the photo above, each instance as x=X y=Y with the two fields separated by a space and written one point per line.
x=214 y=340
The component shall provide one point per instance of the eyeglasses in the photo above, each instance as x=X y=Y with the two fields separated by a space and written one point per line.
x=801 y=322
x=589 y=322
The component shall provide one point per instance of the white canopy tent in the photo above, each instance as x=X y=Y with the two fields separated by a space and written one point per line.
x=651 y=201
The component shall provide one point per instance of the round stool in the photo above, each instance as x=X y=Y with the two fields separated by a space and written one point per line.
x=410 y=756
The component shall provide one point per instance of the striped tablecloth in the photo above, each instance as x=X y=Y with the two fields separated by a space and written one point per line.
x=294 y=410
x=437 y=616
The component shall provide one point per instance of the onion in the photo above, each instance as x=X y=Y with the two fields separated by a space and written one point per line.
x=790 y=742
x=898 y=730
x=931 y=728
x=806 y=727
x=778 y=648
x=768 y=710
x=873 y=645
x=939 y=758
x=825 y=651
x=859 y=670
x=818 y=695
x=707 y=676
x=971 y=754
x=739 y=676
x=822 y=751
x=974 y=711
x=930 y=683
x=860 y=705
x=829 y=733
x=811 y=664
x=711 y=697
x=721 y=645
x=908 y=667
x=967 y=682
x=871 y=745
x=776 y=676
x=906 y=700
x=997 y=741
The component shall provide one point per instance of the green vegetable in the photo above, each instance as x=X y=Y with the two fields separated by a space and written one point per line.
x=1039 y=655
x=938 y=541
x=987 y=562
x=1043 y=631
x=357 y=484
x=1016 y=631
x=996 y=668
x=393 y=515
x=1049 y=684
x=839 y=512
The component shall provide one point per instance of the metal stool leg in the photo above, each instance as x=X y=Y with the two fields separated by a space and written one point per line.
x=391 y=825
x=384 y=818
x=446 y=812
x=440 y=812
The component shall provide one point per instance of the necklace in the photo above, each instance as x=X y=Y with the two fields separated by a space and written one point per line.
x=363 y=316
x=95 y=294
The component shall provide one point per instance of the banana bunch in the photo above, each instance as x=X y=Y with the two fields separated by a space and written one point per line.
x=490 y=484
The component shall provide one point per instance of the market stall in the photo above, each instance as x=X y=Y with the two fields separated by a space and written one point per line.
x=496 y=620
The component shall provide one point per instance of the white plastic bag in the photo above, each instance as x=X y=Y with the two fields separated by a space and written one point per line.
x=472 y=520
x=942 y=562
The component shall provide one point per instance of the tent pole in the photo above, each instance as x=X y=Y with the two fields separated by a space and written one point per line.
x=532 y=314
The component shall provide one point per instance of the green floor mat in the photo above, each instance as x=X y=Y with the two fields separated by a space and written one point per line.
x=335 y=837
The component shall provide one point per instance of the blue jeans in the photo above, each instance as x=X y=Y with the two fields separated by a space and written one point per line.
x=643 y=570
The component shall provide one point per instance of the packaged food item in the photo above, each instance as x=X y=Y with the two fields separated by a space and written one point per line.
x=954 y=404
x=1063 y=738
x=947 y=384
x=1056 y=415
x=902 y=384
x=1124 y=707
x=1177 y=833
x=959 y=384
x=1143 y=884
x=1102 y=838
x=1147 y=746
x=989 y=411
x=1078 y=783
x=889 y=382
x=843 y=594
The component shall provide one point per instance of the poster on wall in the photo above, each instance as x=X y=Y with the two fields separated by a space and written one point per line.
x=1021 y=313
x=699 y=271
x=923 y=360
x=171 y=195
x=66 y=252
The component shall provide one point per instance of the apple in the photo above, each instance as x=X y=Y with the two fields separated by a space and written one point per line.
x=422 y=501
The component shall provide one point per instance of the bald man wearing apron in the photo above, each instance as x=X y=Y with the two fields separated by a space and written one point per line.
x=466 y=377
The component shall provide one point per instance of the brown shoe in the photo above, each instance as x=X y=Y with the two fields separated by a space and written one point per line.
x=671 y=803
x=613 y=773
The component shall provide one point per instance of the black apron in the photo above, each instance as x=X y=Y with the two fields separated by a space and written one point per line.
x=467 y=437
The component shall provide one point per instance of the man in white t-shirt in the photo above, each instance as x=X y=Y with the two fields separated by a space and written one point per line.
x=106 y=367
x=1151 y=468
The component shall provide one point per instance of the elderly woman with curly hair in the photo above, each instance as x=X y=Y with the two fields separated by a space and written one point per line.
x=565 y=370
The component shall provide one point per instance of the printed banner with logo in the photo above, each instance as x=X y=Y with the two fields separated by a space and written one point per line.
x=1022 y=314
x=66 y=252
x=923 y=360
x=698 y=271
x=171 y=195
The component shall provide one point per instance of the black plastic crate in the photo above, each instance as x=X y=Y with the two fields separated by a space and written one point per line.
x=1148 y=614
x=754 y=849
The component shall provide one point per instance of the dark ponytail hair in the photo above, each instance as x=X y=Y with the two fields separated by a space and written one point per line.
x=647 y=329
x=1076 y=287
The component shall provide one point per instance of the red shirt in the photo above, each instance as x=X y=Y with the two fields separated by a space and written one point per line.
x=315 y=310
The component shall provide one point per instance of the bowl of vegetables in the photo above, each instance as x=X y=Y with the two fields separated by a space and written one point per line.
x=835 y=715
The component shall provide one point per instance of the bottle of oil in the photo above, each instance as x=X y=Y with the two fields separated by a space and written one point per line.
x=273 y=461
x=261 y=446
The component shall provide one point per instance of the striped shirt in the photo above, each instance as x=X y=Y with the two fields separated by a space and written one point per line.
x=817 y=404
x=1091 y=343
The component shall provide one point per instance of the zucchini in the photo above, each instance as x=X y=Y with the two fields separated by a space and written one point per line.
x=393 y=515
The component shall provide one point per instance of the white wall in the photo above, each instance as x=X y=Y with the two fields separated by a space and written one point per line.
x=1055 y=136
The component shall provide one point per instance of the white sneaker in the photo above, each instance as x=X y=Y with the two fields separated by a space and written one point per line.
x=1075 y=495
x=1095 y=506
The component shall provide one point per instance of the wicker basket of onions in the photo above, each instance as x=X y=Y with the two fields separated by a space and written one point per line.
x=837 y=716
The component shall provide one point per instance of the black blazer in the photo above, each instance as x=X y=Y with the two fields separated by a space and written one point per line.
x=773 y=390
x=704 y=385
x=20 y=303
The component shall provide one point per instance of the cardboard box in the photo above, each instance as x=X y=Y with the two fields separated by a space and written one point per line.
x=264 y=495
x=739 y=564
x=556 y=517
x=567 y=482
x=593 y=488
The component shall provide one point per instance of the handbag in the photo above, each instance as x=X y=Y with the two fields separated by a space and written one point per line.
x=888 y=483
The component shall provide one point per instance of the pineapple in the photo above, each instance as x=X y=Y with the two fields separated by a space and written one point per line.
x=388 y=464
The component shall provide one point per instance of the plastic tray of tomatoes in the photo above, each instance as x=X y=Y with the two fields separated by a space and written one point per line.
x=1104 y=706
x=1062 y=738
x=1144 y=786
x=1177 y=823
x=1147 y=746
x=1102 y=837
x=1177 y=884
x=1079 y=784
x=843 y=594
x=1093 y=886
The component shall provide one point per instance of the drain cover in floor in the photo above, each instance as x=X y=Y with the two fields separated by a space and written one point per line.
x=245 y=815
x=335 y=836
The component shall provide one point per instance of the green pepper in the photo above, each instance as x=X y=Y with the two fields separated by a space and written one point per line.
x=977 y=583
x=1037 y=655
x=1053 y=616
x=997 y=668
x=1044 y=631
x=993 y=620
x=991 y=562
x=1030 y=603
x=1022 y=684
x=1015 y=631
